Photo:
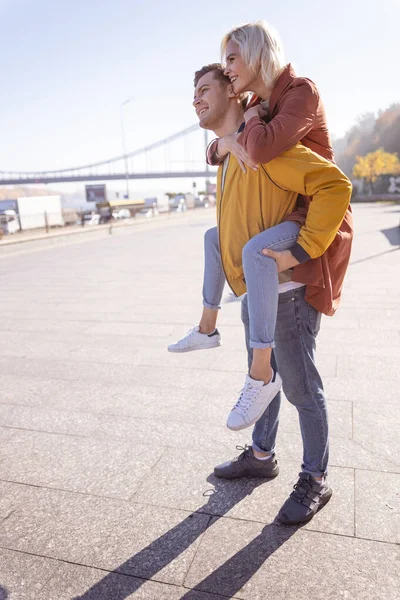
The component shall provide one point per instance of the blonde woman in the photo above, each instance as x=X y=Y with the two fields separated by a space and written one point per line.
x=255 y=63
x=284 y=110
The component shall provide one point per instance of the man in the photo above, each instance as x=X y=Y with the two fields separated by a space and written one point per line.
x=302 y=171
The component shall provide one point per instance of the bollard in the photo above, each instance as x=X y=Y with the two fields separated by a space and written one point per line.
x=46 y=221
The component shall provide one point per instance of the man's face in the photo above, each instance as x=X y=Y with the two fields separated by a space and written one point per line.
x=211 y=100
x=236 y=69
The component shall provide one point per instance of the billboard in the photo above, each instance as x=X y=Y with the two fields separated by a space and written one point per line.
x=96 y=193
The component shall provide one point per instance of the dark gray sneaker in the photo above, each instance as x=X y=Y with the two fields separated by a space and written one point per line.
x=247 y=465
x=307 y=498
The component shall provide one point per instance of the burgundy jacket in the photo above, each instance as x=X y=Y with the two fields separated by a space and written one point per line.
x=298 y=115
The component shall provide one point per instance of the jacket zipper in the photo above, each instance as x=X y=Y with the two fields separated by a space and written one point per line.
x=219 y=221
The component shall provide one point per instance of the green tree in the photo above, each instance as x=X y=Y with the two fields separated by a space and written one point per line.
x=374 y=164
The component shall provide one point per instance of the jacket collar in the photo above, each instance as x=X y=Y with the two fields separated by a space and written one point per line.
x=283 y=81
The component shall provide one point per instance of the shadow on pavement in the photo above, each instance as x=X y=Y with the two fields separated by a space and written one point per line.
x=3 y=593
x=360 y=260
x=230 y=577
x=157 y=555
x=393 y=235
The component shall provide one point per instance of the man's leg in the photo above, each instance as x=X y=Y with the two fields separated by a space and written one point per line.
x=297 y=328
x=296 y=331
x=257 y=460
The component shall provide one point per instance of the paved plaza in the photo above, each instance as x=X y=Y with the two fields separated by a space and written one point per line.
x=108 y=442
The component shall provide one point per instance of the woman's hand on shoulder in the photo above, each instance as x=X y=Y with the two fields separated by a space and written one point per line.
x=255 y=111
x=229 y=144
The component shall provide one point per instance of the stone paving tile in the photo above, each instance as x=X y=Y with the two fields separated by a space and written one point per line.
x=362 y=342
x=142 y=329
x=5 y=436
x=159 y=433
x=158 y=318
x=185 y=480
x=24 y=577
x=109 y=534
x=378 y=324
x=371 y=340
x=163 y=403
x=173 y=404
x=129 y=374
x=40 y=325
x=204 y=360
x=348 y=323
x=58 y=393
x=255 y=562
x=378 y=506
x=34 y=349
x=77 y=340
x=108 y=467
x=365 y=367
x=373 y=427
x=47 y=419
x=361 y=390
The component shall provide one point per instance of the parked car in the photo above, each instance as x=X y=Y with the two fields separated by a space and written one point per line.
x=122 y=213
x=201 y=202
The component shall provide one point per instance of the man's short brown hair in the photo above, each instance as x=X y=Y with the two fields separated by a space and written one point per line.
x=215 y=68
x=218 y=71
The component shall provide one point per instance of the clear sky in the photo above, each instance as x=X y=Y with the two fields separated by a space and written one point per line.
x=67 y=66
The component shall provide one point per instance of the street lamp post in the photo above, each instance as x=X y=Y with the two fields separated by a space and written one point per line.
x=124 y=144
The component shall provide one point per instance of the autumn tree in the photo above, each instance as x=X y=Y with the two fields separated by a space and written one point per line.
x=374 y=164
x=369 y=133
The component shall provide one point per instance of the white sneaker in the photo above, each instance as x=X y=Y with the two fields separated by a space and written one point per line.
x=194 y=340
x=253 y=400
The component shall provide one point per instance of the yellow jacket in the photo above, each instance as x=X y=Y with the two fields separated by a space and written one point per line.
x=248 y=203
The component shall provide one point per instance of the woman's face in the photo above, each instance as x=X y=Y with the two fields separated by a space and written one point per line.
x=236 y=69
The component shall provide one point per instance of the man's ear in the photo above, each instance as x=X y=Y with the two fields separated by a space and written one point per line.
x=231 y=92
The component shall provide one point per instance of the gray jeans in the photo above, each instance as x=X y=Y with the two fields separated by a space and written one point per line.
x=260 y=274
x=297 y=327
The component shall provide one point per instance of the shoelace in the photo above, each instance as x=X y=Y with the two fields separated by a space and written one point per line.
x=302 y=488
x=244 y=450
x=189 y=334
x=246 y=398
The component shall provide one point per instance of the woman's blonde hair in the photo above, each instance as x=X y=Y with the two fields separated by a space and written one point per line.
x=260 y=48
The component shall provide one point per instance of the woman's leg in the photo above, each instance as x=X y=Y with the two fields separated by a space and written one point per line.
x=261 y=276
x=213 y=282
x=205 y=335
x=262 y=292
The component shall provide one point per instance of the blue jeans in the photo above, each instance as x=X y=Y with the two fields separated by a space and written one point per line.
x=297 y=327
x=260 y=274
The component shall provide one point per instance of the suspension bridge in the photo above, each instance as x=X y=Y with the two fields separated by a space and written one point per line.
x=179 y=155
